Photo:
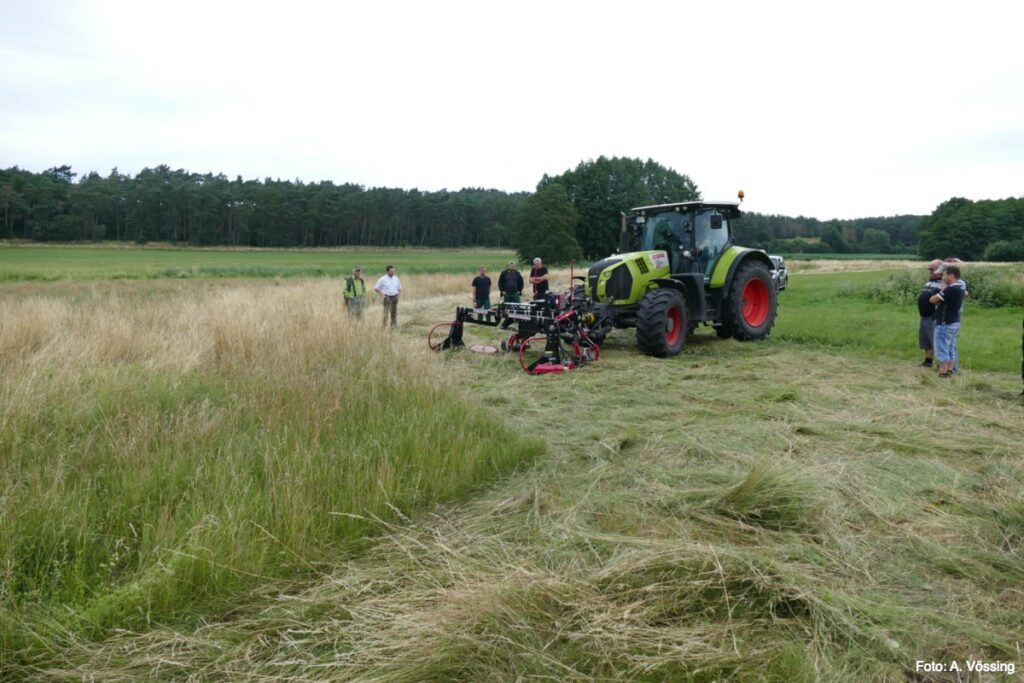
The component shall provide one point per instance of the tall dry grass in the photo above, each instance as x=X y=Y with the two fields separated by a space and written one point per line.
x=162 y=449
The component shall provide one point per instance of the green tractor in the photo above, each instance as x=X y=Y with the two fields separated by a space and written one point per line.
x=678 y=268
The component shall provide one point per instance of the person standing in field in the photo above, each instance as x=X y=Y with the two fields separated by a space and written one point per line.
x=355 y=292
x=389 y=287
x=949 y=302
x=962 y=283
x=926 y=309
x=539 y=279
x=482 y=290
x=510 y=284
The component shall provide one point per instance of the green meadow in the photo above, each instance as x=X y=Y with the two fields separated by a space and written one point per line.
x=48 y=263
x=227 y=479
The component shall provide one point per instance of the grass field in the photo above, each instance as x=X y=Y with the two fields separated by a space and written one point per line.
x=812 y=507
x=47 y=263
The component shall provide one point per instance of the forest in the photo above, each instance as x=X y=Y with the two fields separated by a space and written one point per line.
x=183 y=207
x=178 y=206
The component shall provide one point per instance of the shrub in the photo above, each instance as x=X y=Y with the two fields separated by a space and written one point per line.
x=1005 y=250
x=989 y=287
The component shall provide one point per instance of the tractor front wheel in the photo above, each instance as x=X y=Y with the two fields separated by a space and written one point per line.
x=749 y=311
x=661 y=323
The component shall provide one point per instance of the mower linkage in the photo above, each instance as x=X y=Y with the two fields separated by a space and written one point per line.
x=567 y=345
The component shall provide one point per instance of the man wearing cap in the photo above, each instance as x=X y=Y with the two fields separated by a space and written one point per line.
x=355 y=292
x=926 y=328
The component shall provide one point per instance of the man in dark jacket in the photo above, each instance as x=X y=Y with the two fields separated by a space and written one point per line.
x=948 y=304
x=926 y=328
x=510 y=284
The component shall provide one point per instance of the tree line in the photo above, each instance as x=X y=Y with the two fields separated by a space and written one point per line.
x=178 y=206
x=800 y=234
x=572 y=215
x=989 y=230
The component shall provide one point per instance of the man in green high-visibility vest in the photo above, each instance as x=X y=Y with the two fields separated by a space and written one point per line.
x=355 y=292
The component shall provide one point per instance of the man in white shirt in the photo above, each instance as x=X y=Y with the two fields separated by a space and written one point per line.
x=389 y=287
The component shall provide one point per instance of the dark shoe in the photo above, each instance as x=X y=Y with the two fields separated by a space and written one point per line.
x=945 y=374
x=927 y=364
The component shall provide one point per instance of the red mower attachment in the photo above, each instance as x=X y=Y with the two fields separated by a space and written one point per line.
x=550 y=338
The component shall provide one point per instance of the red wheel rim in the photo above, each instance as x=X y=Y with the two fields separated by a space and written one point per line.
x=524 y=344
x=438 y=333
x=756 y=302
x=673 y=325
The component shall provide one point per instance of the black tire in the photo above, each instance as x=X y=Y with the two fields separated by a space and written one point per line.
x=661 y=323
x=749 y=311
x=578 y=294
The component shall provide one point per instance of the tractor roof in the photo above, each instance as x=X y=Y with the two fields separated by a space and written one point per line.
x=732 y=204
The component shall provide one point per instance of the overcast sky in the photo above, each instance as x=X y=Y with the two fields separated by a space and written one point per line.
x=819 y=109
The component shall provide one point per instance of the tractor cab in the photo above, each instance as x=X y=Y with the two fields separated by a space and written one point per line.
x=693 y=234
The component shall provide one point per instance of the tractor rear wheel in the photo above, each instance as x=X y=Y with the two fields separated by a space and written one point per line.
x=661 y=323
x=749 y=311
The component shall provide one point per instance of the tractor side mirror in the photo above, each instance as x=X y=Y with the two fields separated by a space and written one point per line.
x=716 y=221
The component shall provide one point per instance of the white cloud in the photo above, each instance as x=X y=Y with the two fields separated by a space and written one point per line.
x=812 y=108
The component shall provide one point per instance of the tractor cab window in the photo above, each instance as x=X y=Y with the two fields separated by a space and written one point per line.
x=662 y=231
x=668 y=231
x=712 y=238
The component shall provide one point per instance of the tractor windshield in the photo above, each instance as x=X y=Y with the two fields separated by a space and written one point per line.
x=666 y=231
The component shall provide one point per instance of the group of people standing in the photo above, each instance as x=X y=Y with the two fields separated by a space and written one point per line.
x=388 y=286
x=510 y=284
x=940 y=304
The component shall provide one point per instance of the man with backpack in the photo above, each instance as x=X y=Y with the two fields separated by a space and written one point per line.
x=355 y=292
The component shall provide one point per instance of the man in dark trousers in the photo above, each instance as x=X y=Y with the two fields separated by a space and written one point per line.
x=539 y=279
x=482 y=290
x=926 y=309
x=510 y=284
x=355 y=292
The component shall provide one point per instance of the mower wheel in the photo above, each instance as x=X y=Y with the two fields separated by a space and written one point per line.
x=510 y=344
x=440 y=338
x=661 y=323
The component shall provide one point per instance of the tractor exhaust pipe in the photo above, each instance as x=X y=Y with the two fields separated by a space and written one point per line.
x=623 y=235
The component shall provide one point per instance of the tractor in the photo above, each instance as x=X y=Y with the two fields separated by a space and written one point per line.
x=677 y=268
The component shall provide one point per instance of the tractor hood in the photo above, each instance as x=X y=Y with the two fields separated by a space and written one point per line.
x=622 y=279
